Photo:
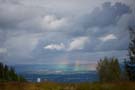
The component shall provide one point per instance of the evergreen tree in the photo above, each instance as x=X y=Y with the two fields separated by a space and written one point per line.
x=9 y=74
x=13 y=74
x=109 y=70
x=132 y=46
x=1 y=70
x=130 y=65
x=6 y=72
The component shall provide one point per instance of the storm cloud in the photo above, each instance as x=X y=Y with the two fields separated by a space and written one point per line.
x=38 y=31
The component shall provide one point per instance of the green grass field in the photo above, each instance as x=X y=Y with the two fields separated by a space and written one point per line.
x=67 y=86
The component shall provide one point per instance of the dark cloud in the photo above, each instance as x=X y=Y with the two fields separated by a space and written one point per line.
x=26 y=29
x=100 y=19
x=110 y=19
x=107 y=15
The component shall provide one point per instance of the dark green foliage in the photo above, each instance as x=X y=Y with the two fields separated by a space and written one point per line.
x=130 y=65
x=9 y=74
x=109 y=70
x=132 y=46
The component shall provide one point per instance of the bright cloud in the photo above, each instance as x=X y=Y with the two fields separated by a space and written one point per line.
x=75 y=44
x=108 y=37
x=78 y=43
x=52 y=22
x=3 y=50
x=60 y=46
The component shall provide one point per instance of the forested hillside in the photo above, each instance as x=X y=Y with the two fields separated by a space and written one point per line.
x=8 y=74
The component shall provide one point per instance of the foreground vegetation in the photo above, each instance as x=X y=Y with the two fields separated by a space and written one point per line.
x=64 y=86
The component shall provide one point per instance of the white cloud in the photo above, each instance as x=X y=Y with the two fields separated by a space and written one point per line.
x=108 y=37
x=52 y=22
x=75 y=44
x=3 y=50
x=78 y=43
x=60 y=46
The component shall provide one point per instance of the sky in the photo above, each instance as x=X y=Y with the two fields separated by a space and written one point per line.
x=64 y=31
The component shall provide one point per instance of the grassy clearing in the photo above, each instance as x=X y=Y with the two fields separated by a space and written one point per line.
x=67 y=86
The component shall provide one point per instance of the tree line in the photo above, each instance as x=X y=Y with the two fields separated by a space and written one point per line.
x=109 y=69
x=8 y=74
